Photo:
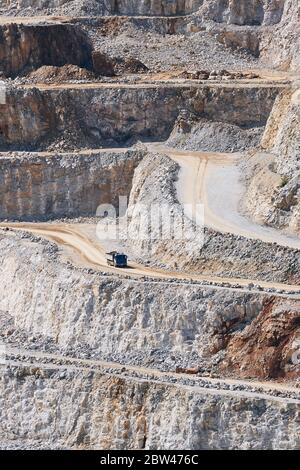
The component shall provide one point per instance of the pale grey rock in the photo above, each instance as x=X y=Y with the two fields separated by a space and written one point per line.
x=112 y=413
x=36 y=186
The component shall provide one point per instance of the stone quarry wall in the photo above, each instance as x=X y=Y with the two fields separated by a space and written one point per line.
x=140 y=321
x=37 y=187
x=272 y=196
x=282 y=134
x=27 y=47
x=118 y=116
x=240 y=12
x=268 y=29
x=154 y=7
x=112 y=7
x=109 y=315
x=92 y=411
x=281 y=47
x=129 y=320
x=244 y=12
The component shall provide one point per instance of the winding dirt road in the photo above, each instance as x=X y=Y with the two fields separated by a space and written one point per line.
x=79 y=243
x=209 y=179
x=212 y=179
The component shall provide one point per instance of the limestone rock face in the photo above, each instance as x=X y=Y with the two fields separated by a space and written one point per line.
x=240 y=12
x=274 y=200
x=27 y=47
x=244 y=12
x=273 y=194
x=112 y=316
x=93 y=411
x=111 y=116
x=129 y=319
x=255 y=12
x=26 y=117
x=266 y=344
x=155 y=7
x=40 y=187
x=282 y=134
x=240 y=39
x=281 y=47
x=112 y=7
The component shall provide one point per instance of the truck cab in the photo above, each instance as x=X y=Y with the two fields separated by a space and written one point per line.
x=118 y=260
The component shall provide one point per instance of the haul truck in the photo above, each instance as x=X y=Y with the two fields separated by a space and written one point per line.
x=118 y=260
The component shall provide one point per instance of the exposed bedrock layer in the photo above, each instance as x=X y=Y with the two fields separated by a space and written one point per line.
x=244 y=12
x=266 y=29
x=273 y=182
x=114 y=116
x=34 y=186
x=141 y=321
x=269 y=29
x=240 y=38
x=240 y=12
x=107 y=7
x=280 y=47
x=265 y=343
x=27 y=47
x=94 y=411
x=282 y=134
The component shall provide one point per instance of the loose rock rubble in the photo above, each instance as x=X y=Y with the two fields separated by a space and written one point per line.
x=217 y=75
